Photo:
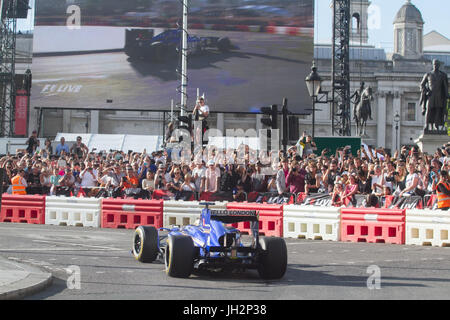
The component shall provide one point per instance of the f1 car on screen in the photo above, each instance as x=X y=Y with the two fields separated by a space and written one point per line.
x=143 y=44
x=212 y=245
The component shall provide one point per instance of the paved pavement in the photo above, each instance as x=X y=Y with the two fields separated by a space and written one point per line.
x=100 y=262
x=18 y=280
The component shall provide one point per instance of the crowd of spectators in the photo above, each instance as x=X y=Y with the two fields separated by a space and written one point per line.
x=67 y=170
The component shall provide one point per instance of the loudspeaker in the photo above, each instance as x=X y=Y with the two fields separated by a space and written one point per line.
x=294 y=130
x=22 y=9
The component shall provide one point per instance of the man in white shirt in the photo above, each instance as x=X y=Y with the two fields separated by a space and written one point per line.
x=212 y=177
x=88 y=178
x=199 y=176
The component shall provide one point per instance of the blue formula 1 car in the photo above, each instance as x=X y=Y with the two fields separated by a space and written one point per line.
x=211 y=244
x=143 y=44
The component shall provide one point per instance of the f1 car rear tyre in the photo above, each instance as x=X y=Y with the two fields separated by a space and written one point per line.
x=224 y=44
x=273 y=258
x=145 y=244
x=159 y=52
x=179 y=256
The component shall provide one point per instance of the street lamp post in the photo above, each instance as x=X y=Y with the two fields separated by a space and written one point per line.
x=314 y=85
x=397 y=121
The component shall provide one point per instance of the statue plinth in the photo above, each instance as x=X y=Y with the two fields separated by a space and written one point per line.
x=428 y=142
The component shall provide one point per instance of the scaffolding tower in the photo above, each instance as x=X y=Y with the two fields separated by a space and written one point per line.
x=8 y=28
x=341 y=115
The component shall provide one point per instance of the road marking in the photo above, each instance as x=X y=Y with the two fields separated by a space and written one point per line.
x=56 y=249
x=100 y=272
x=79 y=245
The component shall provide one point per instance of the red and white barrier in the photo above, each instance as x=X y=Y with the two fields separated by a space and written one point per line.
x=270 y=218
x=72 y=211
x=428 y=227
x=373 y=225
x=130 y=213
x=311 y=222
x=23 y=209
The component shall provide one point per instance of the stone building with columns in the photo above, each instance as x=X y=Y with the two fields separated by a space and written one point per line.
x=394 y=77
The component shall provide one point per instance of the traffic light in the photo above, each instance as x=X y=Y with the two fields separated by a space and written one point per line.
x=272 y=111
x=18 y=10
x=187 y=121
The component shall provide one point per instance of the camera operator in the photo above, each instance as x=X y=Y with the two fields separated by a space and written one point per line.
x=296 y=178
x=67 y=183
x=88 y=179
x=160 y=178
x=389 y=173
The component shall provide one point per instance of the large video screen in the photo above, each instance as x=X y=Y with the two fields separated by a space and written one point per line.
x=116 y=54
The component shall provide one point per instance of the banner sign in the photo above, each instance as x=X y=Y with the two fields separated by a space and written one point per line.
x=21 y=113
x=413 y=202
x=318 y=199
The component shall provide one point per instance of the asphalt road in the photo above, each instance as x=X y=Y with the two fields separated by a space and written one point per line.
x=316 y=270
x=264 y=70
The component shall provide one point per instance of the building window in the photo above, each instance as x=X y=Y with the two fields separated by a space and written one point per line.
x=400 y=41
x=355 y=22
x=411 y=45
x=411 y=112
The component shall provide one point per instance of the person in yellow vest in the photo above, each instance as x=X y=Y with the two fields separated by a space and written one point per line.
x=443 y=191
x=19 y=184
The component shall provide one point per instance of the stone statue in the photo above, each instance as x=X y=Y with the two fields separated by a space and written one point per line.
x=362 y=109
x=358 y=100
x=433 y=99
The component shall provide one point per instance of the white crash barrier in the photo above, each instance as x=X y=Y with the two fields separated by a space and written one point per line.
x=427 y=227
x=311 y=222
x=71 y=211
x=183 y=213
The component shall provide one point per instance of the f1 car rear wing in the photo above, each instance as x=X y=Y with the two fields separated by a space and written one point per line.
x=232 y=216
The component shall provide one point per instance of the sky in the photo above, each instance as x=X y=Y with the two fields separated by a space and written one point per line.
x=434 y=12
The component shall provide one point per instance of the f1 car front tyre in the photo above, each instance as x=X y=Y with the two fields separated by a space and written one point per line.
x=145 y=244
x=273 y=258
x=179 y=256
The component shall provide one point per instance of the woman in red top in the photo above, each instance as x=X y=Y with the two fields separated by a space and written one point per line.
x=351 y=189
